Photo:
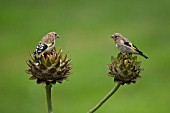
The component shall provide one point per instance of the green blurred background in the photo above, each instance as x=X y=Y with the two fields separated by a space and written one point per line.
x=85 y=28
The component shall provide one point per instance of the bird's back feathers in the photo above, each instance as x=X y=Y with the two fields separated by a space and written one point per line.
x=135 y=48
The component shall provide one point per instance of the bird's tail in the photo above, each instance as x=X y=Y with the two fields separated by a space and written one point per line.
x=37 y=60
x=142 y=54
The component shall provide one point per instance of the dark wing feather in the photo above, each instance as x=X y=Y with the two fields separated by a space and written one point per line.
x=40 y=48
x=135 y=48
x=127 y=43
x=131 y=45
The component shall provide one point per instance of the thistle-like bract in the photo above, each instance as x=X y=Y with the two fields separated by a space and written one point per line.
x=53 y=67
x=125 y=68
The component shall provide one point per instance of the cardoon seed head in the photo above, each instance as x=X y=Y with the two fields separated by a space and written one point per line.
x=125 y=68
x=53 y=67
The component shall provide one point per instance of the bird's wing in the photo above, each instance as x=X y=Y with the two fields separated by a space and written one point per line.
x=40 y=48
x=131 y=45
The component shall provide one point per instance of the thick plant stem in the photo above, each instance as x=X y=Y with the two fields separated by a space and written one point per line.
x=105 y=98
x=48 y=95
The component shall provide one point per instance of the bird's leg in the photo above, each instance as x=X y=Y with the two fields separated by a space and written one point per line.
x=53 y=52
x=125 y=53
x=47 y=56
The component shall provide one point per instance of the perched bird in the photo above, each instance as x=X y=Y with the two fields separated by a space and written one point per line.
x=46 y=44
x=125 y=46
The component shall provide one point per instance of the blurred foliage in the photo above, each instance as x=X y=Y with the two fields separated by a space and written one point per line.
x=85 y=28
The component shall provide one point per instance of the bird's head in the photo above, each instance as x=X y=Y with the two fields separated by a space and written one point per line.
x=54 y=34
x=116 y=36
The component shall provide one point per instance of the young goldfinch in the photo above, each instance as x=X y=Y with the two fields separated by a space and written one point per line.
x=46 y=44
x=125 y=46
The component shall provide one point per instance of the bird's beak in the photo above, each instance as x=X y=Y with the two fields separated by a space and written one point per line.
x=112 y=36
x=58 y=36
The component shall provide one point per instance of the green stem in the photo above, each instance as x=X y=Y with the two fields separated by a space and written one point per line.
x=48 y=95
x=105 y=98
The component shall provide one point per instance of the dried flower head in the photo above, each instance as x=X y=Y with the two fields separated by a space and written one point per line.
x=53 y=67
x=125 y=68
